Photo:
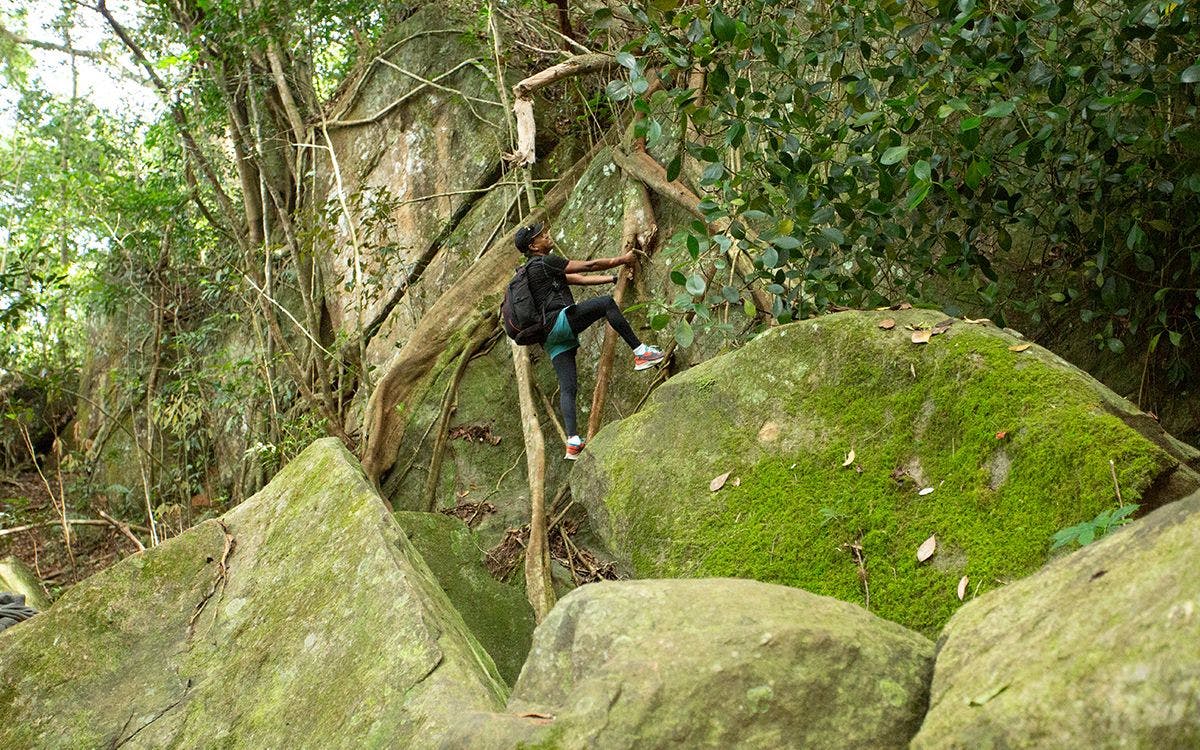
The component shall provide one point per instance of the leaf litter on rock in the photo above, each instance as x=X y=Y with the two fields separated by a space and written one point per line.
x=942 y=327
x=1019 y=347
x=921 y=337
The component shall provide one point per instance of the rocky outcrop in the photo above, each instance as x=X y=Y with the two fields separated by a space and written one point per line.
x=1099 y=649
x=498 y=615
x=711 y=663
x=846 y=446
x=302 y=617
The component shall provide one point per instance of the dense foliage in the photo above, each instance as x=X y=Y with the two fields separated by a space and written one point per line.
x=1022 y=157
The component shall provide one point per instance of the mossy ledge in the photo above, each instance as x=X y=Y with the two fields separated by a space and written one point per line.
x=1015 y=446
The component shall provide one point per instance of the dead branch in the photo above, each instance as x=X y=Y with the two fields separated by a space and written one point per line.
x=549 y=407
x=123 y=527
x=59 y=501
x=523 y=90
x=69 y=521
x=860 y=561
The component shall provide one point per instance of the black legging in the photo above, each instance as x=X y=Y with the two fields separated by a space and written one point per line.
x=579 y=317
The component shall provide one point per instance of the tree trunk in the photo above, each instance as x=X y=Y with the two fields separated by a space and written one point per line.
x=538 y=588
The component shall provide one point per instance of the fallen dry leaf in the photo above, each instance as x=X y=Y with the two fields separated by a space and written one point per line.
x=887 y=324
x=943 y=326
x=718 y=482
x=737 y=482
x=921 y=337
x=849 y=459
x=1001 y=435
x=925 y=491
x=962 y=588
x=1019 y=347
x=925 y=551
x=904 y=306
x=977 y=321
x=534 y=715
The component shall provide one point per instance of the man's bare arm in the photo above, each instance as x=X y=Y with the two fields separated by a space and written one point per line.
x=598 y=264
x=578 y=279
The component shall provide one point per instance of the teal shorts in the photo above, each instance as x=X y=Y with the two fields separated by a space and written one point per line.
x=561 y=338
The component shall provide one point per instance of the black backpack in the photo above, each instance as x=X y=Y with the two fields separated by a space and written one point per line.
x=522 y=315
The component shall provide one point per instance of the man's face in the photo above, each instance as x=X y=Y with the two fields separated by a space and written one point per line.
x=542 y=242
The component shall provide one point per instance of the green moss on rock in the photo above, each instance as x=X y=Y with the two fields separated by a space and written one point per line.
x=498 y=615
x=783 y=413
x=1099 y=649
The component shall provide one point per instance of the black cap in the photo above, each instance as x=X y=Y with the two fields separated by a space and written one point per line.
x=526 y=234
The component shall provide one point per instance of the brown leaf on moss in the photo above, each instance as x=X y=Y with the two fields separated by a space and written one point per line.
x=1019 y=347
x=926 y=550
x=962 y=588
x=718 y=482
x=887 y=324
x=904 y=306
x=921 y=337
x=1001 y=435
x=942 y=327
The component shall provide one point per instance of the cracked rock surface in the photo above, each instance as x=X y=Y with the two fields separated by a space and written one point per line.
x=324 y=627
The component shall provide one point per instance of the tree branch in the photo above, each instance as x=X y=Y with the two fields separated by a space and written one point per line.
x=38 y=44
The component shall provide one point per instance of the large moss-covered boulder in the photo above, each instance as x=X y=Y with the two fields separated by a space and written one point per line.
x=1099 y=649
x=303 y=617
x=497 y=614
x=17 y=578
x=713 y=663
x=987 y=449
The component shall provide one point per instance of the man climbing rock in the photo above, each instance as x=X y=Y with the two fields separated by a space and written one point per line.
x=549 y=278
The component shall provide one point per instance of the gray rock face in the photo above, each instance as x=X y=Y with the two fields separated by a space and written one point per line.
x=1099 y=649
x=303 y=618
x=714 y=663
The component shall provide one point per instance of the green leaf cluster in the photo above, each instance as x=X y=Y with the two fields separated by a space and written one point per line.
x=1012 y=158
